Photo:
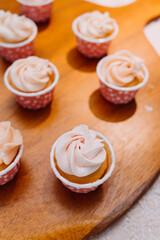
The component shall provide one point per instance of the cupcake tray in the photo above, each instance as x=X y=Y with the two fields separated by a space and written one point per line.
x=35 y=205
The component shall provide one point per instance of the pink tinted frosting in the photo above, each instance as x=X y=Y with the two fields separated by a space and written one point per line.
x=96 y=24
x=14 y=28
x=80 y=152
x=31 y=74
x=121 y=68
x=10 y=142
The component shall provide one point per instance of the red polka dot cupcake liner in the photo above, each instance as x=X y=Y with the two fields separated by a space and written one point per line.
x=92 y=48
x=118 y=95
x=79 y=190
x=38 y=12
x=9 y=173
x=88 y=187
x=34 y=100
x=14 y=51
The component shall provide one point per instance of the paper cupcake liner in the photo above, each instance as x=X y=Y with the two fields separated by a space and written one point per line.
x=12 y=54
x=92 y=48
x=34 y=100
x=119 y=95
x=37 y=12
x=9 y=173
x=79 y=190
x=116 y=96
x=88 y=187
x=14 y=51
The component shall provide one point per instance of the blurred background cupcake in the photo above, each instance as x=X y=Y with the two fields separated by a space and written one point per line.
x=17 y=34
x=32 y=80
x=82 y=159
x=37 y=10
x=121 y=75
x=94 y=32
x=11 y=148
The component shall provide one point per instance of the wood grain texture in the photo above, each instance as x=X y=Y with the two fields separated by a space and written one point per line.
x=35 y=205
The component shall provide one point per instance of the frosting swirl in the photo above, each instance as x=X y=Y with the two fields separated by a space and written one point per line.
x=10 y=142
x=80 y=152
x=31 y=74
x=96 y=25
x=14 y=28
x=123 y=69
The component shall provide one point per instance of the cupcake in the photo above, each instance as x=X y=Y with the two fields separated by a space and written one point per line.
x=94 y=32
x=37 y=10
x=17 y=34
x=32 y=80
x=82 y=159
x=11 y=148
x=121 y=75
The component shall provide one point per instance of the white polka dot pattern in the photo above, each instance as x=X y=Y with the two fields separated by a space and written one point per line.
x=36 y=102
x=9 y=175
x=116 y=96
x=91 y=49
x=81 y=190
x=12 y=54
x=37 y=13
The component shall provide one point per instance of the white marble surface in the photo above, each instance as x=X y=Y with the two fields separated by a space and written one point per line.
x=152 y=32
x=141 y=222
x=111 y=3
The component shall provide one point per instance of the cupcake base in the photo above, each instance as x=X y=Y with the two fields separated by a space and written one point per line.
x=36 y=102
x=91 y=49
x=12 y=54
x=79 y=190
x=39 y=13
x=9 y=175
x=116 y=96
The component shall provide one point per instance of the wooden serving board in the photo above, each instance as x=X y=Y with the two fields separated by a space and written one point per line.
x=35 y=205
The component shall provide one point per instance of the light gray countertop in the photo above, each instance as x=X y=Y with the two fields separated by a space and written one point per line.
x=141 y=222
